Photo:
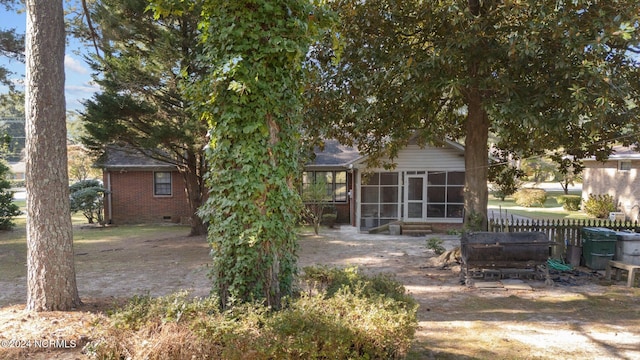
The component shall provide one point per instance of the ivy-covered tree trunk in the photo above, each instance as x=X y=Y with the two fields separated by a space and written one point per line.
x=257 y=48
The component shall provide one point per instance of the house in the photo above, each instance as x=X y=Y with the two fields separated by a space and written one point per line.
x=425 y=186
x=18 y=170
x=141 y=189
x=618 y=176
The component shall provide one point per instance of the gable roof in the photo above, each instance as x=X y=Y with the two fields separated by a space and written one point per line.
x=120 y=157
x=620 y=153
x=334 y=155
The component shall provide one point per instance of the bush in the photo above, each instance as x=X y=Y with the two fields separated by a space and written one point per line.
x=329 y=220
x=8 y=210
x=570 y=202
x=530 y=197
x=344 y=315
x=435 y=244
x=17 y=183
x=87 y=196
x=600 y=206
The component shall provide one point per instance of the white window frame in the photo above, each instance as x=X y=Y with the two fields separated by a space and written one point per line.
x=156 y=183
x=624 y=165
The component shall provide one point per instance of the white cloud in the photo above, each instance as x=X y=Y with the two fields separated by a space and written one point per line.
x=71 y=64
x=82 y=88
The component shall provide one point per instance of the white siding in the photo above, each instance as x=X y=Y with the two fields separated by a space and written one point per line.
x=428 y=158
x=601 y=178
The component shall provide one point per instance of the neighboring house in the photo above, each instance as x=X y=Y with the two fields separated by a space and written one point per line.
x=18 y=170
x=618 y=176
x=141 y=189
x=426 y=186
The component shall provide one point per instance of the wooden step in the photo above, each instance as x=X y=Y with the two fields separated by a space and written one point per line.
x=416 y=226
x=416 y=232
x=416 y=229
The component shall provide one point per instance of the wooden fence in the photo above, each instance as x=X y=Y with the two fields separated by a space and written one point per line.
x=561 y=231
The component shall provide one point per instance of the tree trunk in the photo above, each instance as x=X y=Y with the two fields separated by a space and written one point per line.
x=51 y=278
x=476 y=159
x=196 y=191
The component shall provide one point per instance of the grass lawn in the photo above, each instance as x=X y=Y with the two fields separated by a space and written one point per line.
x=85 y=238
x=550 y=210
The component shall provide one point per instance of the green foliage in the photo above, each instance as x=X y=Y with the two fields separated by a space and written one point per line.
x=87 y=196
x=12 y=125
x=600 y=206
x=81 y=164
x=314 y=193
x=329 y=219
x=144 y=70
x=331 y=279
x=454 y=232
x=474 y=222
x=18 y=183
x=392 y=72
x=8 y=210
x=356 y=317
x=11 y=47
x=530 y=197
x=569 y=170
x=570 y=202
x=539 y=169
x=435 y=244
x=505 y=179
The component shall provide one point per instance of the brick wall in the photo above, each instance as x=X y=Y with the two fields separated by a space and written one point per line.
x=133 y=201
x=601 y=178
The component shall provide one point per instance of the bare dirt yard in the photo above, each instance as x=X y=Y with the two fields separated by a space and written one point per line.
x=581 y=317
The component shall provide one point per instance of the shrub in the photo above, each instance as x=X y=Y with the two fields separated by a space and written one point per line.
x=435 y=244
x=329 y=220
x=8 y=210
x=17 y=183
x=570 y=202
x=351 y=317
x=87 y=196
x=454 y=232
x=505 y=179
x=600 y=206
x=530 y=197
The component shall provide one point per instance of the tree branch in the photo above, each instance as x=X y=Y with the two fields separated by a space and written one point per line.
x=94 y=35
x=474 y=7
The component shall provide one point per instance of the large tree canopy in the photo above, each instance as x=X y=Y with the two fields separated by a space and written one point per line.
x=143 y=69
x=555 y=75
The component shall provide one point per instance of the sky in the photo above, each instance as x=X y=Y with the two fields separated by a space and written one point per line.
x=78 y=84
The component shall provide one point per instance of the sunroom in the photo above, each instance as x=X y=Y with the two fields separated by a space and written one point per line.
x=426 y=186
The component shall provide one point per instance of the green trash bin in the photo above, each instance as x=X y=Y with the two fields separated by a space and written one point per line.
x=598 y=247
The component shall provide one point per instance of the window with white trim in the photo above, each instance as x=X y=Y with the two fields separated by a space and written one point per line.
x=624 y=165
x=335 y=183
x=445 y=194
x=162 y=183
